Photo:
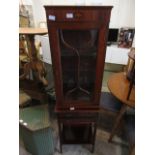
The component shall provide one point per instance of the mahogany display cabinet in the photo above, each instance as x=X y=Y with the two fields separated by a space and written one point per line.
x=78 y=37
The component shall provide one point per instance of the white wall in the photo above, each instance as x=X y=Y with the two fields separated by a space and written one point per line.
x=25 y=2
x=114 y=12
x=39 y=11
x=122 y=15
x=126 y=13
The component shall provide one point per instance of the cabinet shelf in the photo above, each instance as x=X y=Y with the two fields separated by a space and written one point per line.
x=77 y=134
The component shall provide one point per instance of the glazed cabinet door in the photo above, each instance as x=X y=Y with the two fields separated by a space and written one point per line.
x=78 y=52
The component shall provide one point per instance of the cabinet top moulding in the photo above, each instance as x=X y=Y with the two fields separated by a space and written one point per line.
x=81 y=7
x=94 y=16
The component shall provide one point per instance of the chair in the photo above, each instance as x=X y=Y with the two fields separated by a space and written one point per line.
x=131 y=70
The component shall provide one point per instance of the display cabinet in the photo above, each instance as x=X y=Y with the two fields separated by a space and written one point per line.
x=77 y=36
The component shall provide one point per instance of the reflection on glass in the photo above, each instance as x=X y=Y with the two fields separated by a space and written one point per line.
x=78 y=57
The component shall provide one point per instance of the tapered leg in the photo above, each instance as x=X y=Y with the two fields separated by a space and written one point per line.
x=118 y=119
x=60 y=136
x=94 y=136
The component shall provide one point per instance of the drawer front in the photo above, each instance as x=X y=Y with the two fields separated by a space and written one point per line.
x=78 y=117
x=73 y=15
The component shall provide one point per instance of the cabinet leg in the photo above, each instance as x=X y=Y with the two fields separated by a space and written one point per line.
x=93 y=148
x=60 y=136
x=94 y=136
x=60 y=148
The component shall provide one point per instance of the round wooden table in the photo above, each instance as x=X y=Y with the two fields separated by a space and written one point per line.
x=32 y=31
x=35 y=63
x=118 y=85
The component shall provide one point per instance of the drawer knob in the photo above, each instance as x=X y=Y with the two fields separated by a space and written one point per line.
x=69 y=15
x=72 y=108
x=78 y=15
x=51 y=17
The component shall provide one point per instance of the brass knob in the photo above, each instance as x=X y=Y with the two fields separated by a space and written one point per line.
x=78 y=15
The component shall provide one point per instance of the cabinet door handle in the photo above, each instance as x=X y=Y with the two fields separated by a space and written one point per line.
x=78 y=15
x=72 y=108
x=69 y=15
x=52 y=17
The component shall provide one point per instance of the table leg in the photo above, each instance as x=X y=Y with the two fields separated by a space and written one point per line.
x=118 y=119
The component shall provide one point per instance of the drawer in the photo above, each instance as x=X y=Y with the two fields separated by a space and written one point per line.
x=72 y=15
x=78 y=117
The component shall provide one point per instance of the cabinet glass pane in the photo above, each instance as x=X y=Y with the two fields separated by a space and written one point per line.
x=78 y=50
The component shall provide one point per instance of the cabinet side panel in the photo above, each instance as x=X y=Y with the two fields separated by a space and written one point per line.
x=55 y=53
x=101 y=56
